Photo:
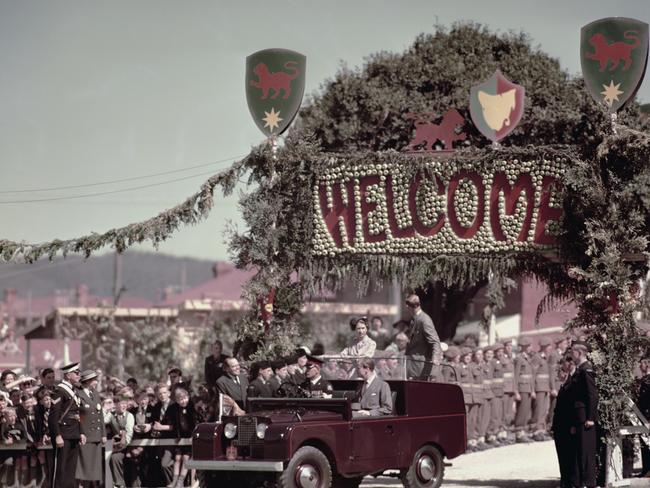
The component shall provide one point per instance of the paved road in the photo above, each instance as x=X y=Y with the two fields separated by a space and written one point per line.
x=517 y=466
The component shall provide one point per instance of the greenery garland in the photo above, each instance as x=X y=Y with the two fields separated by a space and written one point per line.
x=156 y=229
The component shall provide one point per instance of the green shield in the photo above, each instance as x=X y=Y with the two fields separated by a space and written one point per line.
x=275 y=83
x=613 y=55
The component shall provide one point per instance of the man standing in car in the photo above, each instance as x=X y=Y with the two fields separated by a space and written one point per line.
x=423 y=351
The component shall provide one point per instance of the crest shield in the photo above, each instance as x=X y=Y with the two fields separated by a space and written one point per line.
x=275 y=83
x=613 y=56
x=496 y=106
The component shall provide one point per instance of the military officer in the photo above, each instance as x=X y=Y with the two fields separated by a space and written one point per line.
x=524 y=389
x=585 y=414
x=65 y=427
x=89 y=466
x=315 y=385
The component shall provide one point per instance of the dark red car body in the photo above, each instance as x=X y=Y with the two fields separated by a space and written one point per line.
x=425 y=413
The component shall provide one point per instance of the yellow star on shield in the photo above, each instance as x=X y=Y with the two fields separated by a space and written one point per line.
x=272 y=119
x=610 y=93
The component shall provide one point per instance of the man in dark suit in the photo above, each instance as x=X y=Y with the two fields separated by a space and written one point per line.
x=89 y=467
x=585 y=413
x=561 y=427
x=213 y=367
x=260 y=387
x=233 y=384
x=375 y=396
x=65 y=427
x=423 y=351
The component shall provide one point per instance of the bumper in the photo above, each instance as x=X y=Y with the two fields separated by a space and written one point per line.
x=267 y=466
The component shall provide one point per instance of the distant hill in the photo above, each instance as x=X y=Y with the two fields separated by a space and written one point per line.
x=144 y=274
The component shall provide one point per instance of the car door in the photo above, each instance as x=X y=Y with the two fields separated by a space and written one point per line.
x=375 y=443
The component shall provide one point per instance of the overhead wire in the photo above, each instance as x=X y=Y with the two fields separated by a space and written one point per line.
x=122 y=180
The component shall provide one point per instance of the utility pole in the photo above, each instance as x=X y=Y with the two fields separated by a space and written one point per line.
x=117 y=278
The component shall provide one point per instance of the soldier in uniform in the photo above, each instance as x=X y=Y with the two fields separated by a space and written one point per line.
x=496 y=412
x=451 y=373
x=466 y=380
x=584 y=414
x=478 y=390
x=281 y=374
x=493 y=410
x=89 y=466
x=544 y=385
x=524 y=389
x=315 y=385
x=555 y=358
x=65 y=427
x=508 y=387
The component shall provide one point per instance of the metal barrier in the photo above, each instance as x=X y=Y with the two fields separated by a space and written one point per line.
x=388 y=366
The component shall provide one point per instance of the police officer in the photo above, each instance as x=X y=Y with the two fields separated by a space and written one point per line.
x=524 y=389
x=315 y=385
x=89 y=466
x=65 y=427
x=585 y=411
x=544 y=385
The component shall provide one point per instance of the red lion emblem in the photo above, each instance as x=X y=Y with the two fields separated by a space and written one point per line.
x=428 y=133
x=614 y=52
x=277 y=81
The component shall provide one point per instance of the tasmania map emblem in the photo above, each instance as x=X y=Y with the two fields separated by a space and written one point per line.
x=275 y=83
x=496 y=106
x=613 y=55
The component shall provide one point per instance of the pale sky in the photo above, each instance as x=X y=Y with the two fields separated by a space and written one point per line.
x=92 y=91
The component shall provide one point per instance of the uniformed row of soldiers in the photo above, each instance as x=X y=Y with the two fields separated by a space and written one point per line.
x=507 y=399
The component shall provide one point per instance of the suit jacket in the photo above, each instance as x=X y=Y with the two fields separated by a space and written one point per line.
x=237 y=392
x=64 y=416
x=376 y=397
x=92 y=417
x=424 y=342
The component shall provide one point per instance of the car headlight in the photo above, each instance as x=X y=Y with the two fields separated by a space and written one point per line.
x=261 y=430
x=230 y=430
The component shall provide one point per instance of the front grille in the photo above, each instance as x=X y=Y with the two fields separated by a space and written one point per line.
x=247 y=432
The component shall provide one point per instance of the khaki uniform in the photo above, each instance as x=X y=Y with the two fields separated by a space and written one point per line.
x=488 y=397
x=525 y=384
x=543 y=385
x=466 y=383
x=554 y=361
x=478 y=399
x=508 y=392
x=497 y=425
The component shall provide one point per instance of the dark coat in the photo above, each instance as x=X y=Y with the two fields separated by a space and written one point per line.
x=316 y=390
x=183 y=420
x=92 y=417
x=260 y=389
x=424 y=345
x=64 y=418
x=238 y=392
x=163 y=418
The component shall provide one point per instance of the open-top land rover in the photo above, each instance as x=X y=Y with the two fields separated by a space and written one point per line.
x=316 y=443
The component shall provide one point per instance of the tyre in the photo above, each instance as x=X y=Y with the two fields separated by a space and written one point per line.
x=341 y=482
x=308 y=468
x=426 y=469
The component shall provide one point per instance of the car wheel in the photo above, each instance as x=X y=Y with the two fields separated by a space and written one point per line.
x=308 y=468
x=341 y=482
x=426 y=470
